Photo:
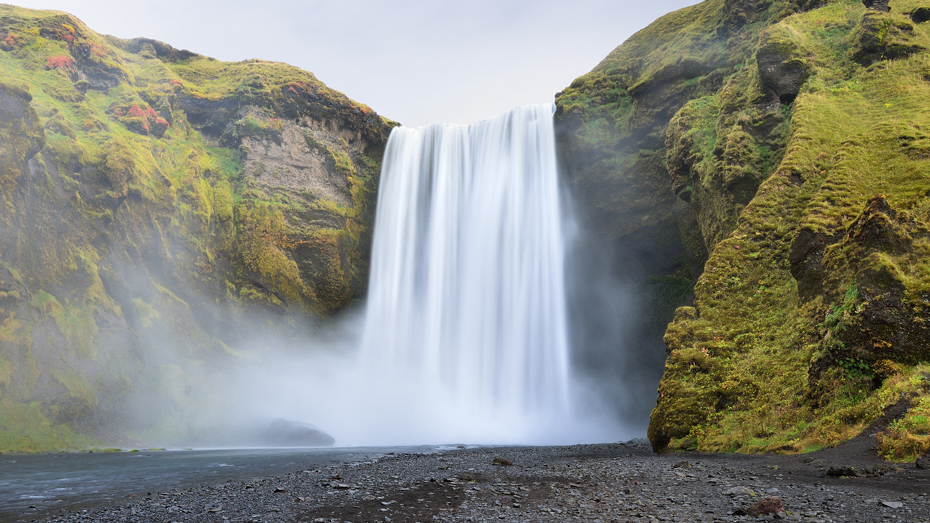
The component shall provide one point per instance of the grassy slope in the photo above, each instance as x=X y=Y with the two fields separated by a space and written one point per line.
x=136 y=213
x=753 y=366
x=779 y=172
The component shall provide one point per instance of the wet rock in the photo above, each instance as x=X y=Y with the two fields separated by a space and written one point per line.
x=286 y=433
x=842 y=472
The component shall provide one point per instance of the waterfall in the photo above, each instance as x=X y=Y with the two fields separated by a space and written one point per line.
x=466 y=307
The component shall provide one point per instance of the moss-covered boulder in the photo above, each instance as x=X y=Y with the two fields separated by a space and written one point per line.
x=158 y=208
x=884 y=36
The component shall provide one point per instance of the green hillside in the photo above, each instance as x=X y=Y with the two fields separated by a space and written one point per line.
x=795 y=136
x=157 y=209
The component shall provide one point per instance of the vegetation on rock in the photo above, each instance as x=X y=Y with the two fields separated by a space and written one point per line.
x=797 y=134
x=154 y=198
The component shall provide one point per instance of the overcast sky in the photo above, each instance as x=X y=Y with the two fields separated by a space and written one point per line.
x=414 y=61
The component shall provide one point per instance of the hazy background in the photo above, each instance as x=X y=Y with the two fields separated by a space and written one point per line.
x=414 y=61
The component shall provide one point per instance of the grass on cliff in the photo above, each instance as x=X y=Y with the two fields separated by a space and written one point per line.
x=25 y=428
x=855 y=132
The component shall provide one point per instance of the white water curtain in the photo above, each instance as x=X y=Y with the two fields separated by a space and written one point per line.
x=466 y=300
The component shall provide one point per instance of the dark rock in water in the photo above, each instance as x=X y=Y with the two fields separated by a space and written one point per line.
x=286 y=433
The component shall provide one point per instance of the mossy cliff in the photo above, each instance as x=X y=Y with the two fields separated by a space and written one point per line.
x=797 y=135
x=157 y=209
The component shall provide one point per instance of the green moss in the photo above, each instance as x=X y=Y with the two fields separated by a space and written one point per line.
x=24 y=428
x=76 y=324
x=787 y=374
x=136 y=212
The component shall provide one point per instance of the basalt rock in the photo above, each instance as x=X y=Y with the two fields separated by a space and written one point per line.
x=806 y=259
x=878 y=5
x=888 y=319
x=884 y=36
x=782 y=69
x=920 y=15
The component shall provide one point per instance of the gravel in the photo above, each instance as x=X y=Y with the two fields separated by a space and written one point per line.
x=607 y=482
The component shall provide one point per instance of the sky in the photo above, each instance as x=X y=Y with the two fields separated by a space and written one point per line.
x=414 y=61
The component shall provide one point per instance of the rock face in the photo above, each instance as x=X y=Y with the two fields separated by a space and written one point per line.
x=883 y=36
x=806 y=315
x=157 y=208
x=284 y=433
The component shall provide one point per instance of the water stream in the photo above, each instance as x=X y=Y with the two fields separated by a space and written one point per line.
x=466 y=302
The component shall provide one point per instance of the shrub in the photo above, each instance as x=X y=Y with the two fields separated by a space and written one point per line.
x=60 y=62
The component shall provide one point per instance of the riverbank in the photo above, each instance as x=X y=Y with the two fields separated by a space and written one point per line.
x=607 y=482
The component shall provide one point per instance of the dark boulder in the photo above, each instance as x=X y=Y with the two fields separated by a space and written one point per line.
x=806 y=259
x=284 y=433
x=879 y=5
x=781 y=68
x=884 y=36
x=882 y=317
x=920 y=15
x=923 y=462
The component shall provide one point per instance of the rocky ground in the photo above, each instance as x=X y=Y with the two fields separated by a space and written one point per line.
x=608 y=482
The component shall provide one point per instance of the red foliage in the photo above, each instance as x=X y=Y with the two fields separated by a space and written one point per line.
x=60 y=61
x=98 y=50
x=10 y=39
x=134 y=111
x=141 y=119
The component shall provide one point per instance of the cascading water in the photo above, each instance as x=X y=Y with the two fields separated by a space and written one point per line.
x=465 y=336
x=466 y=306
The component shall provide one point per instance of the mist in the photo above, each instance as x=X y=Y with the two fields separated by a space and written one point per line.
x=460 y=338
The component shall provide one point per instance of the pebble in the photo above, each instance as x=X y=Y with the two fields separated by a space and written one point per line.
x=606 y=483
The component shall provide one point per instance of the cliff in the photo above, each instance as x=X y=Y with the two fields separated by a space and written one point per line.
x=157 y=209
x=783 y=146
